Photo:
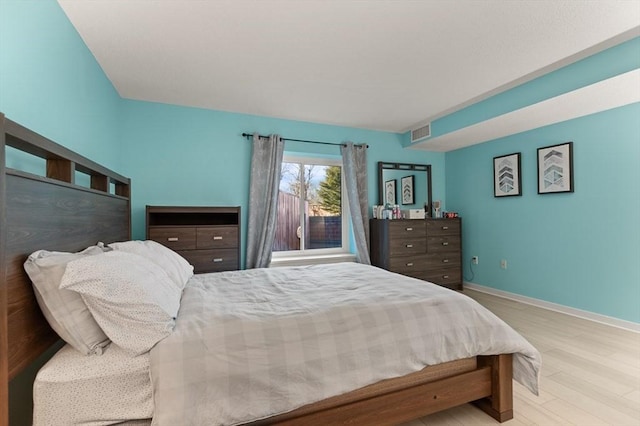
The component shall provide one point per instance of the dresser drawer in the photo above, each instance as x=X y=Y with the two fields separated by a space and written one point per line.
x=448 y=277
x=406 y=229
x=443 y=243
x=443 y=260
x=217 y=237
x=211 y=260
x=176 y=238
x=407 y=264
x=407 y=246
x=443 y=227
x=419 y=274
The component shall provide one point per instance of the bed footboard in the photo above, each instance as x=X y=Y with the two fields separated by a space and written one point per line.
x=485 y=380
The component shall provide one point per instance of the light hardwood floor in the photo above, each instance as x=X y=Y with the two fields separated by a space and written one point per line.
x=590 y=372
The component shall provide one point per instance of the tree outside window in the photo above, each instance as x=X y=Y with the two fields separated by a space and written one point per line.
x=309 y=207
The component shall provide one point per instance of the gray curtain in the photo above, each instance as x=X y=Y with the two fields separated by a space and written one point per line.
x=354 y=159
x=266 y=162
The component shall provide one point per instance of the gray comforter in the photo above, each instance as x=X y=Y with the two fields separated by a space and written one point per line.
x=251 y=344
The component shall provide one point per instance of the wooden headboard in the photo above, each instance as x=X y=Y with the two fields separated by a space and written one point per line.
x=48 y=212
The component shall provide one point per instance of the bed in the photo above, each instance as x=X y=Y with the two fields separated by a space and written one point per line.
x=53 y=213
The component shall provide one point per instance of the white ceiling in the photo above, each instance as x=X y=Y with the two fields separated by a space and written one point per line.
x=373 y=64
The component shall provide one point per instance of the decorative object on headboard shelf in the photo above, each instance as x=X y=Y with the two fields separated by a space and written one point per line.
x=47 y=212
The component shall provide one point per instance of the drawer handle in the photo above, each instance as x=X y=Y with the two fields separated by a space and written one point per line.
x=445 y=277
x=445 y=227
x=172 y=239
x=410 y=264
x=217 y=238
x=409 y=229
x=445 y=244
x=217 y=259
x=445 y=260
x=409 y=245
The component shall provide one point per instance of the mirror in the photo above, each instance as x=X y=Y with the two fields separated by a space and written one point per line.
x=409 y=184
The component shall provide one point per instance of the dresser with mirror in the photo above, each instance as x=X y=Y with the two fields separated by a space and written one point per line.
x=429 y=249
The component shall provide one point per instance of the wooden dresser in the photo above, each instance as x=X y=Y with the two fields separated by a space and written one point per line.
x=208 y=237
x=428 y=249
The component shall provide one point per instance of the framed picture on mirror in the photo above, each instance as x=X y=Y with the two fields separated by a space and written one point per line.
x=406 y=183
x=390 y=192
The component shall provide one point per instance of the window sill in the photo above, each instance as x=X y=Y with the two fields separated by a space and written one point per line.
x=312 y=260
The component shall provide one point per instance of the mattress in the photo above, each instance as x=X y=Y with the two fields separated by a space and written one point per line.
x=112 y=388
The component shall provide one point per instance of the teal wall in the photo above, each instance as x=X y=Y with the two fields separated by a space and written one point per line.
x=51 y=83
x=187 y=156
x=578 y=249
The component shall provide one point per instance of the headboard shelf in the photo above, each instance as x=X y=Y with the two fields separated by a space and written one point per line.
x=49 y=212
x=52 y=181
x=61 y=162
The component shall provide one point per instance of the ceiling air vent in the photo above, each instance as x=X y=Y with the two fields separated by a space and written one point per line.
x=421 y=133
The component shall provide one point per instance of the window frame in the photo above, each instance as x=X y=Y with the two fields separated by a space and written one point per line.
x=345 y=218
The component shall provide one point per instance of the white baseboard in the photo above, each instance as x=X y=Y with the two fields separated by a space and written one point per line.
x=604 y=319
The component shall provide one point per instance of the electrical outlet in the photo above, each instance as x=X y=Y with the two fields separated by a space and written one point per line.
x=474 y=260
x=503 y=264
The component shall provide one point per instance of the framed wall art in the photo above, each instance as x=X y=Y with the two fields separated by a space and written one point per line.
x=555 y=168
x=406 y=185
x=390 y=192
x=507 y=180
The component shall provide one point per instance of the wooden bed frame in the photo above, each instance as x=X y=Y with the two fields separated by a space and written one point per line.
x=52 y=212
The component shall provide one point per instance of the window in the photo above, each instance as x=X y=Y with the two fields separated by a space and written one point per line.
x=312 y=216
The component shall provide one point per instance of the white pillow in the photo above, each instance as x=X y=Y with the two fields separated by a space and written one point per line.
x=178 y=269
x=132 y=299
x=65 y=310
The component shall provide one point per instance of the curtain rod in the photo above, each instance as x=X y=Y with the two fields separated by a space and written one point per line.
x=250 y=135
